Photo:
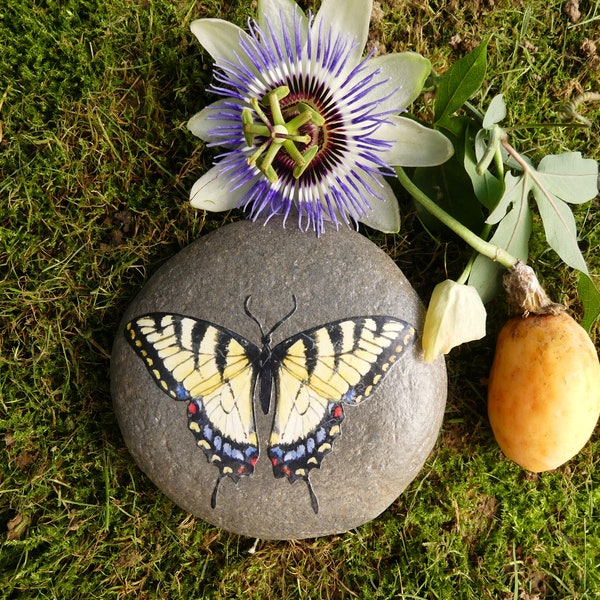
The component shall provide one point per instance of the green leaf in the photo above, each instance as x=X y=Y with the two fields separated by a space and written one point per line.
x=514 y=193
x=460 y=82
x=514 y=231
x=495 y=113
x=590 y=296
x=487 y=187
x=454 y=128
x=449 y=185
x=569 y=177
x=560 y=229
x=560 y=179
x=512 y=234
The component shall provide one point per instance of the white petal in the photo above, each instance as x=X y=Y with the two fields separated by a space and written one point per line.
x=455 y=315
x=414 y=145
x=351 y=20
x=207 y=120
x=210 y=192
x=405 y=73
x=385 y=215
x=199 y=124
x=221 y=39
x=280 y=15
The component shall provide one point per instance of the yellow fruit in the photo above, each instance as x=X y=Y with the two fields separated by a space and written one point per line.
x=544 y=390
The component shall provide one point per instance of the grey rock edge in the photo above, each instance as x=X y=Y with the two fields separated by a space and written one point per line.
x=384 y=442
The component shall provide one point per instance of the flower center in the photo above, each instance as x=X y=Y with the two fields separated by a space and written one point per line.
x=302 y=129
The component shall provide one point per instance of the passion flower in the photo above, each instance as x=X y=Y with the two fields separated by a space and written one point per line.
x=305 y=121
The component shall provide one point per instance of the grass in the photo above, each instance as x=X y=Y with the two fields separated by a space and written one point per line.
x=96 y=166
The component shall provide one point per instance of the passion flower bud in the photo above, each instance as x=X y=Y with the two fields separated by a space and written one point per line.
x=455 y=315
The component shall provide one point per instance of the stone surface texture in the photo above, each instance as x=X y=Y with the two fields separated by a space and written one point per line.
x=385 y=440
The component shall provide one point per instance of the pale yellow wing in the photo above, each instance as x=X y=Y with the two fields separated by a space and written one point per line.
x=212 y=368
x=317 y=372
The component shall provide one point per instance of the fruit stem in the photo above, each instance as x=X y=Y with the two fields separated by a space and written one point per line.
x=525 y=293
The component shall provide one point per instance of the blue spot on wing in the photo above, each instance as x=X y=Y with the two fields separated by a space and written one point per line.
x=181 y=392
x=350 y=396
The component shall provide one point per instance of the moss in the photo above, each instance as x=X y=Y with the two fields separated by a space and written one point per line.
x=96 y=167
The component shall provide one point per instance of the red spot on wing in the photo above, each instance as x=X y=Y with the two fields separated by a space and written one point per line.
x=192 y=408
x=338 y=411
x=254 y=460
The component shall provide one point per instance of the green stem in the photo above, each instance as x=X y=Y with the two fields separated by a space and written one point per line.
x=492 y=251
x=499 y=164
x=485 y=233
x=467 y=270
x=491 y=152
x=515 y=154
x=474 y=112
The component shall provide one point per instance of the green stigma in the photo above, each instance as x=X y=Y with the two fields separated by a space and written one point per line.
x=279 y=134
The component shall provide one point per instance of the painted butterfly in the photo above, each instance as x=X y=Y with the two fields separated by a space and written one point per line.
x=313 y=374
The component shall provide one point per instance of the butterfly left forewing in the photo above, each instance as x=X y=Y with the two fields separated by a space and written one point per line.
x=214 y=370
x=318 y=371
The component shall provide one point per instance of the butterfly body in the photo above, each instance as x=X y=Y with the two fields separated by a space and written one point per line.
x=308 y=377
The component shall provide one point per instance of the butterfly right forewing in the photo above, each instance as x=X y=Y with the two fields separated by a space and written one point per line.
x=319 y=370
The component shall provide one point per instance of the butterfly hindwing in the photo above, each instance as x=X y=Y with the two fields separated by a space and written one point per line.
x=319 y=370
x=214 y=370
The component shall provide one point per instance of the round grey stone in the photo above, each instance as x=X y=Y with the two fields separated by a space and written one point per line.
x=384 y=441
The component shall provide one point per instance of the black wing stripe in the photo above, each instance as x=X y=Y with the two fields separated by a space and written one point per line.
x=311 y=354
x=222 y=351
x=336 y=335
x=196 y=336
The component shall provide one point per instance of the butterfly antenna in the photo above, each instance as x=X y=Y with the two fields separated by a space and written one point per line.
x=213 y=499
x=314 y=501
x=247 y=311
x=284 y=319
x=267 y=336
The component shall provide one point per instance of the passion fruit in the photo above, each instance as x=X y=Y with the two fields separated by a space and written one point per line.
x=544 y=390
